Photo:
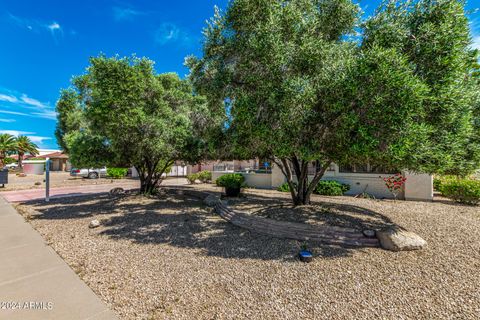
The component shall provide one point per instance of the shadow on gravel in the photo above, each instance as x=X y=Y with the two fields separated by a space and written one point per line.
x=181 y=221
x=325 y=213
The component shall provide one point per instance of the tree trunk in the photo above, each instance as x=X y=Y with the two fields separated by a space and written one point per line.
x=20 y=160
x=303 y=189
x=149 y=177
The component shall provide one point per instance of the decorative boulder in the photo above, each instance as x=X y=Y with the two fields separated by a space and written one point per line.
x=211 y=200
x=94 y=223
x=117 y=190
x=369 y=233
x=397 y=239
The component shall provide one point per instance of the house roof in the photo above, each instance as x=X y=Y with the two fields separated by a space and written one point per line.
x=15 y=156
x=55 y=155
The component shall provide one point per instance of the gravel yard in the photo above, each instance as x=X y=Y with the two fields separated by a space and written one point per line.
x=171 y=258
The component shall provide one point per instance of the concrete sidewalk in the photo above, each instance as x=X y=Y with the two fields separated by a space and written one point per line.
x=35 y=283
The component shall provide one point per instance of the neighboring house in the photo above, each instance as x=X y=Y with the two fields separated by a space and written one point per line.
x=230 y=166
x=58 y=161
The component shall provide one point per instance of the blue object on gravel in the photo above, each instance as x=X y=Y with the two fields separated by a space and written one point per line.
x=305 y=256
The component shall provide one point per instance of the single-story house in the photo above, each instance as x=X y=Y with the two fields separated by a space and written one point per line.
x=58 y=161
x=361 y=179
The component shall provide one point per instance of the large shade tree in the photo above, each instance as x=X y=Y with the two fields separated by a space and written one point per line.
x=296 y=84
x=120 y=112
x=25 y=145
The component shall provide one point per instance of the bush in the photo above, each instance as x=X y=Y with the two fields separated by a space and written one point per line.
x=331 y=188
x=284 y=187
x=461 y=190
x=204 y=176
x=439 y=180
x=231 y=180
x=192 y=177
x=9 y=160
x=117 y=173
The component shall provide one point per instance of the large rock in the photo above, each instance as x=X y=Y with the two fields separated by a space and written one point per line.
x=94 y=224
x=397 y=239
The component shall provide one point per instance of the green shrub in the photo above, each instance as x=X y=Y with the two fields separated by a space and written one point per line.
x=204 y=176
x=231 y=180
x=192 y=177
x=461 y=190
x=117 y=173
x=438 y=180
x=9 y=160
x=331 y=188
x=284 y=187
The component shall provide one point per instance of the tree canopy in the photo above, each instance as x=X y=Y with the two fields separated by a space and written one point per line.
x=297 y=83
x=121 y=113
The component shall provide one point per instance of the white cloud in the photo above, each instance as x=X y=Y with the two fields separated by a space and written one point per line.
x=46 y=114
x=6 y=97
x=476 y=42
x=54 y=26
x=23 y=105
x=16 y=133
x=37 y=26
x=121 y=14
x=171 y=33
x=38 y=139
x=14 y=113
x=7 y=120
x=33 y=102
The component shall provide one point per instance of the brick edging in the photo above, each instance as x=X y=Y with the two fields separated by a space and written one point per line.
x=283 y=229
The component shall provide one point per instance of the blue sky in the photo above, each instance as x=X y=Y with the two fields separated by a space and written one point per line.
x=44 y=43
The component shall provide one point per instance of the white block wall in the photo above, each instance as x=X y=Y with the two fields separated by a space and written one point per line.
x=417 y=186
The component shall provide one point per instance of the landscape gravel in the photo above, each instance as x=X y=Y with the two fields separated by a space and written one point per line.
x=172 y=258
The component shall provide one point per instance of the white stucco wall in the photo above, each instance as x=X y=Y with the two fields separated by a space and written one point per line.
x=254 y=180
x=418 y=187
x=34 y=167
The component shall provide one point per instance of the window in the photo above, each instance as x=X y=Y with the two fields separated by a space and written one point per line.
x=365 y=168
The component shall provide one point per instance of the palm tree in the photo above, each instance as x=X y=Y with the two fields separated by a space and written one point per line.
x=7 y=144
x=24 y=145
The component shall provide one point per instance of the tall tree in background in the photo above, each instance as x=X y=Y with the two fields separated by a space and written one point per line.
x=7 y=145
x=25 y=145
x=434 y=37
x=69 y=115
x=129 y=115
x=289 y=72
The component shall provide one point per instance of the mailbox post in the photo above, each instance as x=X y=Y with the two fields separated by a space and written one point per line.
x=47 y=180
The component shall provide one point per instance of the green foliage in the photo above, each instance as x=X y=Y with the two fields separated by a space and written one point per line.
x=117 y=173
x=439 y=180
x=231 y=180
x=7 y=145
x=9 y=160
x=69 y=116
x=285 y=187
x=25 y=145
x=331 y=188
x=121 y=113
x=293 y=84
x=205 y=176
x=192 y=177
x=461 y=190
